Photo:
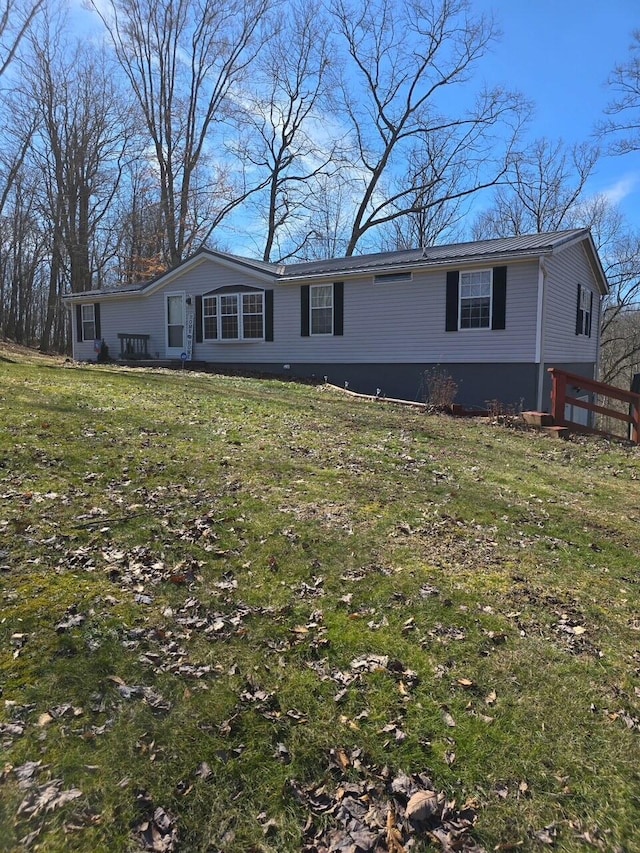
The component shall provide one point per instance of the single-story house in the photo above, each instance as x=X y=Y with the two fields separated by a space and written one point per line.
x=492 y=314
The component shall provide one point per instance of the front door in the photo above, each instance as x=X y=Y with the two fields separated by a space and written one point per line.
x=175 y=324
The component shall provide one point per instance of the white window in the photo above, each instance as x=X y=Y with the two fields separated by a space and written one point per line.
x=229 y=326
x=210 y=318
x=321 y=309
x=233 y=317
x=475 y=300
x=88 y=323
x=253 y=316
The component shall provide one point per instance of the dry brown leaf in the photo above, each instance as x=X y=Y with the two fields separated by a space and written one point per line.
x=394 y=836
x=422 y=805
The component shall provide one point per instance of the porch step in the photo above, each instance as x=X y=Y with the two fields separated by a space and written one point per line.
x=544 y=422
x=556 y=431
x=538 y=419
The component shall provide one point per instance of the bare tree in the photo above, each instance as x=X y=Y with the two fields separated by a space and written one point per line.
x=329 y=219
x=619 y=248
x=16 y=17
x=432 y=211
x=141 y=250
x=542 y=192
x=23 y=249
x=623 y=125
x=182 y=59
x=410 y=58
x=78 y=148
x=288 y=140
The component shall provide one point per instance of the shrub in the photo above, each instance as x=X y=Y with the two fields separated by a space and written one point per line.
x=103 y=354
x=440 y=388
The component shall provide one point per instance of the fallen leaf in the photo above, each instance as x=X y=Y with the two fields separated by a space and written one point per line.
x=422 y=805
x=448 y=719
x=546 y=835
x=45 y=798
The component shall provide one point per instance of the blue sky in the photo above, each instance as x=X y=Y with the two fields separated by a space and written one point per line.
x=559 y=54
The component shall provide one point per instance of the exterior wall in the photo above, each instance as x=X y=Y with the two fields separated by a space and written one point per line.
x=565 y=270
x=405 y=322
x=131 y=315
x=393 y=323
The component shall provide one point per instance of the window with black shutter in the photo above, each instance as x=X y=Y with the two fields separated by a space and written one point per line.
x=322 y=309
x=476 y=299
x=87 y=322
x=584 y=311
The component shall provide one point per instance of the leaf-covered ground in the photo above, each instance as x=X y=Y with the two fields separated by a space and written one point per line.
x=243 y=615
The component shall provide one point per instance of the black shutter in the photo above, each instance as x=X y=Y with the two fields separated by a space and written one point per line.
x=338 y=308
x=579 y=319
x=79 y=323
x=499 y=302
x=199 y=336
x=453 y=280
x=590 y=312
x=96 y=317
x=268 y=315
x=304 y=310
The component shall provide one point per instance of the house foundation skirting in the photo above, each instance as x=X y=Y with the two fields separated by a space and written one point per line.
x=513 y=385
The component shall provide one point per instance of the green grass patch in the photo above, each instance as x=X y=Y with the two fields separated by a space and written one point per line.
x=218 y=592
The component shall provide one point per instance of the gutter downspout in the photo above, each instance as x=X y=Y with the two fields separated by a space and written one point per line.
x=598 y=341
x=539 y=357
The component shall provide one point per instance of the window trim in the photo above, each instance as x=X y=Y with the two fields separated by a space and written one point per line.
x=238 y=295
x=331 y=332
x=489 y=325
x=92 y=322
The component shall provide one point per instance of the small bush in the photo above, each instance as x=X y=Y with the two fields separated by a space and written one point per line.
x=103 y=354
x=440 y=388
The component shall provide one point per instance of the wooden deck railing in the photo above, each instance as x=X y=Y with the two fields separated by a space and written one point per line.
x=566 y=385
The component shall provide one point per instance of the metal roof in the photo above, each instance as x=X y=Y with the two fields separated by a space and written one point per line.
x=531 y=244
x=503 y=248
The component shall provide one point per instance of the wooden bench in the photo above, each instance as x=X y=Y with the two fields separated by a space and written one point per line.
x=134 y=346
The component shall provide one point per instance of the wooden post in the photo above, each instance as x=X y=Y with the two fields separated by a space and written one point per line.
x=635 y=422
x=558 y=395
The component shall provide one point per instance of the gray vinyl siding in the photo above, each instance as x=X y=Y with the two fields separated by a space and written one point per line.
x=396 y=323
x=565 y=270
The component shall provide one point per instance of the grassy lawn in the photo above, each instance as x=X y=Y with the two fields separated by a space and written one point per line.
x=242 y=615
